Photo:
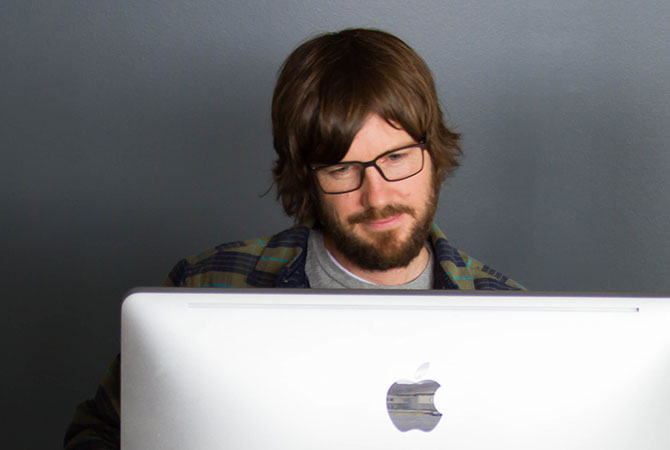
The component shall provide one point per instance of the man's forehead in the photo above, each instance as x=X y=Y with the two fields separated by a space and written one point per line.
x=376 y=137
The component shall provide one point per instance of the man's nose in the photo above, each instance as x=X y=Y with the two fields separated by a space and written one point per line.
x=375 y=189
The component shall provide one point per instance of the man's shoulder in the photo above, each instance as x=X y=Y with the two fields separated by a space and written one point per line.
x=465 y=272
x=249 y=263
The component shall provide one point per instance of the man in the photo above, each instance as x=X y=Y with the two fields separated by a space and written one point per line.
x=362 y=153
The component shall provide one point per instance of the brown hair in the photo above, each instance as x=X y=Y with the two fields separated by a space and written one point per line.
x=325 y=91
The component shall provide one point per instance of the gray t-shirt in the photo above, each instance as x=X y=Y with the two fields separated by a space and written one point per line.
x=324 y=272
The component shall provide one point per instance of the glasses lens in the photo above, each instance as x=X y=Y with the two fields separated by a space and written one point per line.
x=401 y=164
x=339 y=178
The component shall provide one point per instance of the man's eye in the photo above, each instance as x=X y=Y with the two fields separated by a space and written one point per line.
x=339 y=171
x=395 y=157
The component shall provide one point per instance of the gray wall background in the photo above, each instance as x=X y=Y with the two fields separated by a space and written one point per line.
x=134 y=133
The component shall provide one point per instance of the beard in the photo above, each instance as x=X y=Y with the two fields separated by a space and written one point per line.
x=385 y=250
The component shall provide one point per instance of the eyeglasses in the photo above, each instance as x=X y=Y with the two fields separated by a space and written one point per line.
x=393 y=165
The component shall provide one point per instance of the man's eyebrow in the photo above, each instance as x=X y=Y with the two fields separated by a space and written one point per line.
x=402 y=147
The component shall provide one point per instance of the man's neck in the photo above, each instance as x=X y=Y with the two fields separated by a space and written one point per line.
x=391 y=277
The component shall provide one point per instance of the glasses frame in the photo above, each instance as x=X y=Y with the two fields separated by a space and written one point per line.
x=373 y=163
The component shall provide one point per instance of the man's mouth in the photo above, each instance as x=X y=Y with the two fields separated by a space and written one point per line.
x=380 y=224
x=384 y=217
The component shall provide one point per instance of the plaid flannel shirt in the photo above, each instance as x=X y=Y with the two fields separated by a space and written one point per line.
x=274 y=261
x=279 y=261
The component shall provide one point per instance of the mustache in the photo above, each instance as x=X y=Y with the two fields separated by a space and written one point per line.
x=371 y=214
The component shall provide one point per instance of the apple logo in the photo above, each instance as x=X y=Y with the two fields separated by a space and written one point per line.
x=410 y=404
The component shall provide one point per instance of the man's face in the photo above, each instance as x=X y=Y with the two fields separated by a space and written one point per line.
x=382 y=225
